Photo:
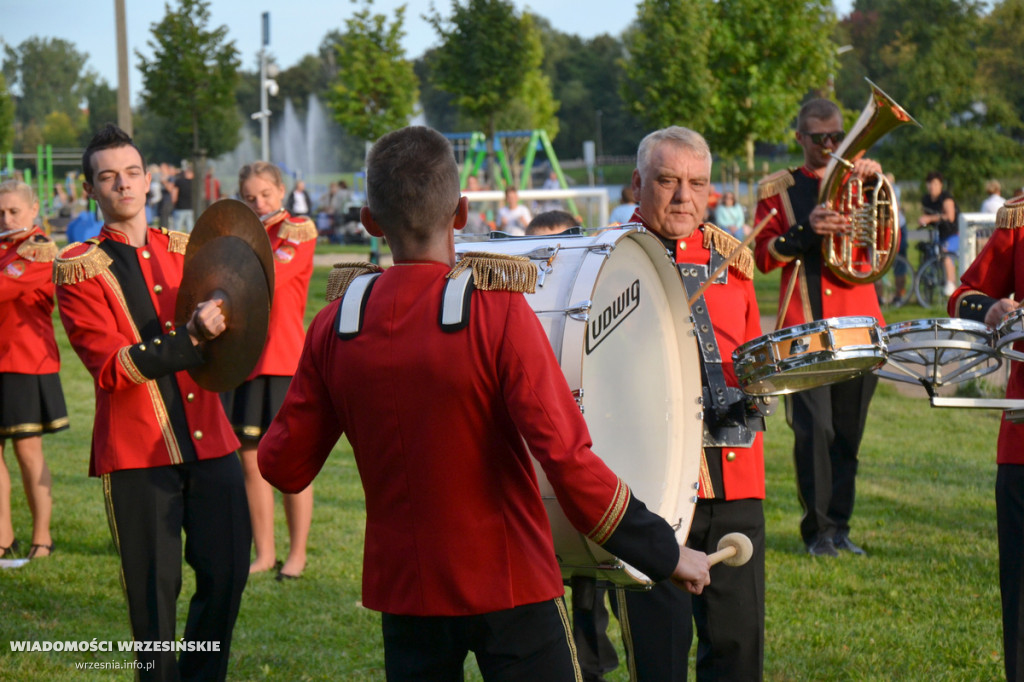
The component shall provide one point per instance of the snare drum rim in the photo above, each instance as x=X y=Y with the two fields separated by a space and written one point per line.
x=808 y=328
x=952 y=324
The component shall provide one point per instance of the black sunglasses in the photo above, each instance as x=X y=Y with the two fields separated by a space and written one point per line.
x=820 y=138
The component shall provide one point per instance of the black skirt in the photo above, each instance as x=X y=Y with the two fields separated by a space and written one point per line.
x=252 y=406
x=31 y=405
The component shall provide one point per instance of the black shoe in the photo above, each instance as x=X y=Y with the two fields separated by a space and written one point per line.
x=822 y=547
x=843 y=542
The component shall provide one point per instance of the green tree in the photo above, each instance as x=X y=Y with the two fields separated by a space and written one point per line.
x=748 y=65
x=952 y=69
x=6 y=117
x=375 y=88
x=60 y=130
x=489 y=54
x=190 y=83
x=48 y=75
x=102 y=107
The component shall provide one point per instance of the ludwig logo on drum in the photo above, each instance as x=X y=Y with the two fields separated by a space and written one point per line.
x=603 y=324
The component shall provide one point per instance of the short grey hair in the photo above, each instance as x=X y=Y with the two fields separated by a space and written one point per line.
x=679 y=136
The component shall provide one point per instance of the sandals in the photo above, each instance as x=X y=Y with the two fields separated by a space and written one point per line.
x=10 y=552
x=34 y=549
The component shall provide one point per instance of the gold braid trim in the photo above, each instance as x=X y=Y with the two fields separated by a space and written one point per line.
x=342 y=274
x=612 y=514
x=773 y=184
x=79 y=268
x=297 y=232
x=498 y=272
x=177 y=242
x=724 y=243
x=42 y=251
x=1011 y=214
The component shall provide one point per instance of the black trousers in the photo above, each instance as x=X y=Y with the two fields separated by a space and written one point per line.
x=148 y=509
x=1010 y=524
x=828 y=423
x=729 y=614
x=532 y=642
x=594 y=649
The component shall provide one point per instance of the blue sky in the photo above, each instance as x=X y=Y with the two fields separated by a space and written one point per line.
x=293 y=33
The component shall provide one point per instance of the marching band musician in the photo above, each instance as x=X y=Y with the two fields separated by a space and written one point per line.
x=828 y=421
x=984 y=295
x=31 y=397
x=440 y=403
x=252 y=405
x=672 y=182
x=162 y=445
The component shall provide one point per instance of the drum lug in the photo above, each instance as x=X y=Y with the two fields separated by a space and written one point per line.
x=580 y=311
x=602 y=249
x=577 y=394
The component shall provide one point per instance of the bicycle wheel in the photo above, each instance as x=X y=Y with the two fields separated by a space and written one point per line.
x=928 y=284
x=895 y=287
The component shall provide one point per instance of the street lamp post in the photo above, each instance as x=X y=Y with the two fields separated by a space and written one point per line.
x=268 y=86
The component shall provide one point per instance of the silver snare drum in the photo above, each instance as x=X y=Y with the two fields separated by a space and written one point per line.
x=809 y=355
x=936 y=352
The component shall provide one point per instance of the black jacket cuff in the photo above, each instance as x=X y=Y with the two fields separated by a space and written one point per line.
x=645 y=541
x=166 y=354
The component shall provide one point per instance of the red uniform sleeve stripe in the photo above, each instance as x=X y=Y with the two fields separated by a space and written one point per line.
x=612 y=515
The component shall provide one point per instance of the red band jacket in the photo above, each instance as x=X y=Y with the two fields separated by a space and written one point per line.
x=293 y=241
x=117 y=305
x=736 y=320
x=998 y=272
x=27 y=344
x=819 y=294
x=439 y=422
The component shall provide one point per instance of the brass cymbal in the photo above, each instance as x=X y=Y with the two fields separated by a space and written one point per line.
x=235 y=218
x=227 y=268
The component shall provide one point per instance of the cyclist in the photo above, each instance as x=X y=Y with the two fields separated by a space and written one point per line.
x=939 y=210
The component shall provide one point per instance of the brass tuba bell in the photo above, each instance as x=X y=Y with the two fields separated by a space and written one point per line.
x=868 y=248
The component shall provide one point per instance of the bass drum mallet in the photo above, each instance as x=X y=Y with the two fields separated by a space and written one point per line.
x=734 y=549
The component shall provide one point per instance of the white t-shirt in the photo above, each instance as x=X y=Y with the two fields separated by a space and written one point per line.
x=514 y=220
x=992 y=203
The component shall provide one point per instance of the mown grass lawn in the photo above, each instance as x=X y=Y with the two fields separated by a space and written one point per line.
x=923 y=606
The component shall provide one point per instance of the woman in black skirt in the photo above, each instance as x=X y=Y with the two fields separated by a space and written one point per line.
x=31 y=399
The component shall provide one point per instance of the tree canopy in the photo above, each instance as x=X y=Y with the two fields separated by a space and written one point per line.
x=696 y=63
x=190 y=81
x=49 y=75
x=6 y=117
x=374 y=90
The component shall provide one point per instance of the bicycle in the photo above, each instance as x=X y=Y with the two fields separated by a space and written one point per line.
x=896 y=286
x=931 y=275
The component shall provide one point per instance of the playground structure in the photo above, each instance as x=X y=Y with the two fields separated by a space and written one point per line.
x=42 y=177
x=471 y=153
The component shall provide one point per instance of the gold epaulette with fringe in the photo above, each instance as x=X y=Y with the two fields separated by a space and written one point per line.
x=177 y=242
x=299 y=232
x=776 y=183
x=724 y=243
x=1011 y=214
x=498 y=272
x=75 y=269
x=342 y=274
x=38 y=248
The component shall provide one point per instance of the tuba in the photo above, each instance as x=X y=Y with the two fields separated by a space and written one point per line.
x=865 y=251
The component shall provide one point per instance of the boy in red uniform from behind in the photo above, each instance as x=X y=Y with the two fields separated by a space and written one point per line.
x=458 y=554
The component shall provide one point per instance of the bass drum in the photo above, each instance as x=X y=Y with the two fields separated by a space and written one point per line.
x=615 y=312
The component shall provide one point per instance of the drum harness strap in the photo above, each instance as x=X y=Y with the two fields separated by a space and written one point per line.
x=729 y=418
x=353 y=304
